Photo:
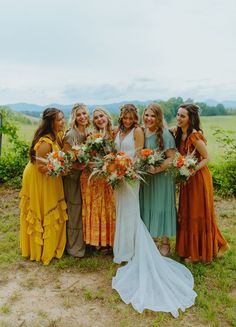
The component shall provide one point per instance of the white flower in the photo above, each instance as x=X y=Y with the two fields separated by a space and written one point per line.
x=99 y=140
x=190 y=162
x=184 y=171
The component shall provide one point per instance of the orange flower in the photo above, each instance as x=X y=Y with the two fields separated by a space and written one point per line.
x=75 y=154
x=55 y=155
x=121 y=162
x=49 y=166
x=146 y=152
x=180 y=162
x=121 y=173
x=111 y=167
x=95 y=136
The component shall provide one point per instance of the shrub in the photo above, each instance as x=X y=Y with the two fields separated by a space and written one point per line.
x=13 y=161
x=224 y=171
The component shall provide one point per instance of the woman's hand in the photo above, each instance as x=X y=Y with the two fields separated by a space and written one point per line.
x=173 y=130
x=153 y=170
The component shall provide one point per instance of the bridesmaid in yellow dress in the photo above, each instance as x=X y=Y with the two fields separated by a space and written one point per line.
x=43 y=208
x=98 y=209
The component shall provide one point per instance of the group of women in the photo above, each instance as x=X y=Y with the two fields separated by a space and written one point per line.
x=77 y=210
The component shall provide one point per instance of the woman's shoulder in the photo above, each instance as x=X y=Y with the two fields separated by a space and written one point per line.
x=138 y=130
x=70 y=133
x=196 y=136
x=167 y=133
x=44 y=139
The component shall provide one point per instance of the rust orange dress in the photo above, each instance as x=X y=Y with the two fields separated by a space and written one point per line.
x=98 y=211
x=198 y=236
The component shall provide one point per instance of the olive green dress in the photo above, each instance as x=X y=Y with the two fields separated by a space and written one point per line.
x=75 y=244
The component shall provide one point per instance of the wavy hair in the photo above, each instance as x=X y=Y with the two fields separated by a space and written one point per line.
x=128 y=108
x=109 y=119
x=75 y=108
x=46 y=127
x=158 y=112
x=194 y=121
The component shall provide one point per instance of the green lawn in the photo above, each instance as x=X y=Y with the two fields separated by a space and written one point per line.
x=209 y=124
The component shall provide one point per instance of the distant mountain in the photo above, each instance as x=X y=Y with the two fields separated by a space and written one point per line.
x=226 y=103
x=113 y=108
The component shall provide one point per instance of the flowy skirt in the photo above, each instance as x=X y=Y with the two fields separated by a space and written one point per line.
x=150 y=281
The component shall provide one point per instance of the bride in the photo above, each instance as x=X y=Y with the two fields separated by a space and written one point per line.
x=148 y=281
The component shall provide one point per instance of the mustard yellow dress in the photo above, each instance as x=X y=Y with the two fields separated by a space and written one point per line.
x=43 y=212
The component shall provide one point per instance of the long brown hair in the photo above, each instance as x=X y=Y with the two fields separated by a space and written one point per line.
x=194 y=121
x=128 y=108
x=46 y=127
x=158 y=112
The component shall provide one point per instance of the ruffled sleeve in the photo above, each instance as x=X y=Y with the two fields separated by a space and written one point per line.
x=169 y=142
x=195 y=136
x=46 y=139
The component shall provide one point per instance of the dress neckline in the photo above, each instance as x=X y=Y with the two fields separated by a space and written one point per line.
x=122 y=139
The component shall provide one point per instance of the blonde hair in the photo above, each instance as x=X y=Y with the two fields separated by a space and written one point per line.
x=75 y=108
x=158 y=112
x=109 y=120
x=128 y=108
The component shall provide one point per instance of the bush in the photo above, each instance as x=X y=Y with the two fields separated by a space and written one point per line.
x=12 y=162
x=224 y=171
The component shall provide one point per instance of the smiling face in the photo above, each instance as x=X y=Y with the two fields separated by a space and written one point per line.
x=82 y=117
x=100 y=120
x=150 y=120
x=59 y=122
x=182 y=118
x=128 y=120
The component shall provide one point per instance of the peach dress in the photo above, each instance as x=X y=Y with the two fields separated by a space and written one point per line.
x=98 y=211
x=198 y=236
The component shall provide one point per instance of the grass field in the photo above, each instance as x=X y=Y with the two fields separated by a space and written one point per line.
x=209 y=124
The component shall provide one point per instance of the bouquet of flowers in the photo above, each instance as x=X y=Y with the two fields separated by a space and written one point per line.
x=80 y=154
x=116 y=168
x=183 y=167
x=149 y=158
x=97 y=145
x=58 y=162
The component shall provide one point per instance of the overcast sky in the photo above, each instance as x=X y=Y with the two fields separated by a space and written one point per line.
x=103 y=51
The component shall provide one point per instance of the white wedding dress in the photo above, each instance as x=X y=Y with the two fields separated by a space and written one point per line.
x=148 y=280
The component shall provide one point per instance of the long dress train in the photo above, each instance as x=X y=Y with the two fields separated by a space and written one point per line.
x=148 y=281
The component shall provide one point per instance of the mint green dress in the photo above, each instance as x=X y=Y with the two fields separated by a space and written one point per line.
x=157 y=195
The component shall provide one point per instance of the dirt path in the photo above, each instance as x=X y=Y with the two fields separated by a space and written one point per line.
x=35 y=297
